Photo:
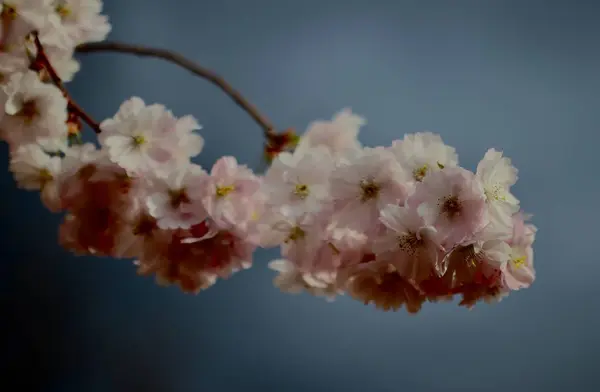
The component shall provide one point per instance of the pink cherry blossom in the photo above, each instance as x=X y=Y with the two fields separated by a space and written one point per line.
x=452 y=200
x=422 y=153
x=134 y=236
x=34 y=169
x=300 y=236
x=81 y=20
x=518 y=271
x=227 y=193
x=95 y=218
x=410 y=244
x=195 y=266
x=365 y=184
x=330 y=250
x=300 y=180
x=169 y=199
x=142 y=138
x=34 y=13
x=339 y=135
x=393 y=226
x=497 y=175
x=32 y=110
x=381 y=283
x=293 y=281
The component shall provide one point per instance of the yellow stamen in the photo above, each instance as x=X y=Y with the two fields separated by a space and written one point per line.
x=139 y=140
x=63 y=10
x=223 y=191
x=409 y=243
x=420 y=173
x=471 y=262
x=301 y=191
x=73 y=128
x=9 y=12
x=495 y=192
x=45 y=177
x=519 y=261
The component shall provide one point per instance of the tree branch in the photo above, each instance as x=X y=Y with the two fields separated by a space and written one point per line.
x=187 y=64
x=43 y=61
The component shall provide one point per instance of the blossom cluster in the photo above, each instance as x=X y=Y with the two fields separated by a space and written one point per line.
x=36 y=111
x=395 y=226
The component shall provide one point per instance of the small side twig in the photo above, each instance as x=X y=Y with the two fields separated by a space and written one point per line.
x=175 y=58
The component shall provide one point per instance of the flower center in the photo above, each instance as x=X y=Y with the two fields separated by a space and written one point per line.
x=63 y=10
x=224 y=190
x=301 y=191
x=451 y=207
x=295 y=234
x=419 y=173
x=28 y=111
x=519 y=261
x=138 y=140
x=494 y=192
x=178 y=197
x=409 y=243
x=370 y=190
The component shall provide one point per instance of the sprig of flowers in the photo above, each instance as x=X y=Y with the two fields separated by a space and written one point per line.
x=394 y=226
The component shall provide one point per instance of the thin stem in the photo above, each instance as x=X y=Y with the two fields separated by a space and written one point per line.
x=72 y=105
x=187 y=64
x=47 y=66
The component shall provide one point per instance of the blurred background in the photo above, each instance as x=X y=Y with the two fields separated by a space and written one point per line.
x=521 y=76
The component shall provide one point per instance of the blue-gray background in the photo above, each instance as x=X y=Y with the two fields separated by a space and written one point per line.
x=521 y=76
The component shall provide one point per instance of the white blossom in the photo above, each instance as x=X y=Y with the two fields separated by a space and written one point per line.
x=142 y=138
x=82 y=20
x=34 y=169
x=169 y=200
x=33 y=110
x=422 y=153
x=497 y=175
